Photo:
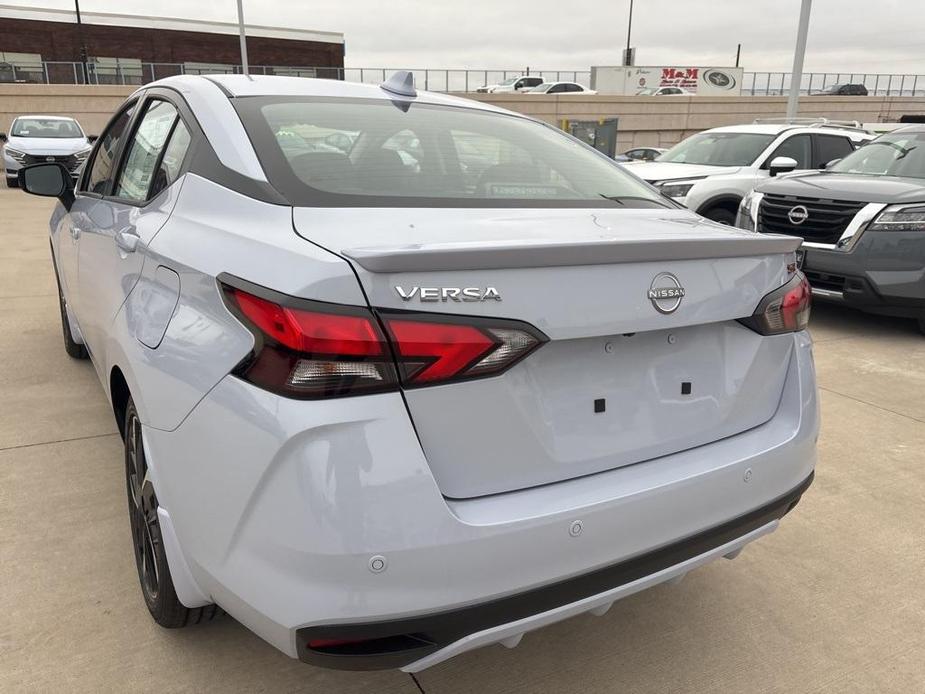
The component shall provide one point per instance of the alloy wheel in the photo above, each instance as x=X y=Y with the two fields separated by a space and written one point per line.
x=146 y=536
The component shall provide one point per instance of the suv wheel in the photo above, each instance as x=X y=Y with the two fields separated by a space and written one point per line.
x=922 y=324
x=147 y=541
x=721 y=215
x=12 y=182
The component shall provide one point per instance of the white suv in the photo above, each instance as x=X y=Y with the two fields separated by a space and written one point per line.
x=712 y=171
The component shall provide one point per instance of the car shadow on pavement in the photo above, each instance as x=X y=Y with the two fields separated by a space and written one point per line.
x=830 y=320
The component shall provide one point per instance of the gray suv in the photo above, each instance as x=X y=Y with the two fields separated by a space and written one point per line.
x=862 y=221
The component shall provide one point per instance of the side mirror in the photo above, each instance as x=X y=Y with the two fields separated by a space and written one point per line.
x=781 y=165
x=2 y=137
x=50 y=180
x=92 y=138
x=832 y=163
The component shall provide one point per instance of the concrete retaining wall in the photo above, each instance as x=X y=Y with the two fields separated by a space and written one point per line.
x=658 y=121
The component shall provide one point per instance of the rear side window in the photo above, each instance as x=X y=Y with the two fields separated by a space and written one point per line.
x=372 y=152
x=151 y=164
x=104 y=157
x=798 y=147
x=830 y=147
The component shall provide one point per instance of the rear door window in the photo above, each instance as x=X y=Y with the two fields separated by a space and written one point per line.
x=829 y=148
x=151 y=164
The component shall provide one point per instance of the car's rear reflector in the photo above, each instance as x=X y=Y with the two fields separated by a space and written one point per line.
x=785 y=310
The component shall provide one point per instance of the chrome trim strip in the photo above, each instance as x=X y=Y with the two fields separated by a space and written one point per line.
x=853 y=231
x=828 y=294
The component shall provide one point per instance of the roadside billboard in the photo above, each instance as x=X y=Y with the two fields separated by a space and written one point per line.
x=704 y=81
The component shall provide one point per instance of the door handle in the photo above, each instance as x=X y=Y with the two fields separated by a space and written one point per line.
x=127 y=240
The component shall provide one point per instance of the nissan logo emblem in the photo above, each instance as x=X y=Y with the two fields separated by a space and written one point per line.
x=720 y=79
x=798 y=214
x=665 y=293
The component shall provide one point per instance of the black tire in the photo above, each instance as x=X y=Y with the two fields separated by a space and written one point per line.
x=922 y=325
x=74 y=350
x=147 y=542
x=12 y=182
x=721 y=215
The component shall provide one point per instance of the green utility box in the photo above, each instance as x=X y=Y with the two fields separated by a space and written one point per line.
x=600 y=134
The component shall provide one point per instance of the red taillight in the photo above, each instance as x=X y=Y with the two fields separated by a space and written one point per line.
x=313 y=331
x=311 y=349
x=432 y=348
x=785 y=310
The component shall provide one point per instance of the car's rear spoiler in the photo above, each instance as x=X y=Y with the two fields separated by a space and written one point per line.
x=543 y=253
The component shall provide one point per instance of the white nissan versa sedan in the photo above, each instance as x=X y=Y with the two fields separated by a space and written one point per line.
x=384 y=408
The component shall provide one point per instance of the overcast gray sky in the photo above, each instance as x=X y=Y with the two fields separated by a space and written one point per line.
x=845 y=35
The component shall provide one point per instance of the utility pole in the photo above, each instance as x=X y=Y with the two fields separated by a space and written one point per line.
x=83 y=46
x=796 y=75
x=244 y=67
x=628 y=57
x=738 y=54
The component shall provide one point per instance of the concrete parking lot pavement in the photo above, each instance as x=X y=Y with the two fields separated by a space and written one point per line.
x=831 y=602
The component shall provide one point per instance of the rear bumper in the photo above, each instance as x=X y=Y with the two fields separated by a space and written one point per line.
x=433 y=638
x=883 y=273
x=280 y=508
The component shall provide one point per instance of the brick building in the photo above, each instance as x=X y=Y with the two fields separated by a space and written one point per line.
x=41 y=45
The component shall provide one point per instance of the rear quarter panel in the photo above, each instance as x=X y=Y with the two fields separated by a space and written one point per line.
x=212 y=230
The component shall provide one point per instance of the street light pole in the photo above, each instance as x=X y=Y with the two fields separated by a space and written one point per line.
x=83 y=45
x=627 y=56
x=796 y=75
x=244 y=66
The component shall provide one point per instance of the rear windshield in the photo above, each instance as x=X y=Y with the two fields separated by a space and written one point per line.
x=896 y=154
x=719 y=149
x=45 y=127
x=372 y=152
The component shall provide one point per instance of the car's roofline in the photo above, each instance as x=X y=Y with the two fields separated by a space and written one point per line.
x=778 y=129
x=240 y=86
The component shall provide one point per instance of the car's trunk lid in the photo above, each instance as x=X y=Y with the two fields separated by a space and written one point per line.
x=668 y=381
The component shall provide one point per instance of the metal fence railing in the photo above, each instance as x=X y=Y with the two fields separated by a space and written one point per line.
x=439 y=80
x=877 y=84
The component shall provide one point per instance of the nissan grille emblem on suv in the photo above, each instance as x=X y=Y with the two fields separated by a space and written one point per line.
x=448 y=293
x=798 y=214
x=666 y=293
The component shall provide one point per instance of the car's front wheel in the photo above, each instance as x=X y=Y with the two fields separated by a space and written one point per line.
x=721 y=215
x=12 y=182
x=922 y=325
x=147 y=541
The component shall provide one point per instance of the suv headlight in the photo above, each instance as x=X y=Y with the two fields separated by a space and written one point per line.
x=678 y=189
x=747 y=218
x=83 y=154
x=900 y=218
x=20 y=157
